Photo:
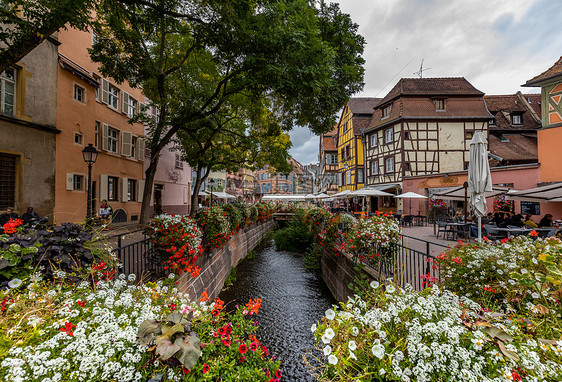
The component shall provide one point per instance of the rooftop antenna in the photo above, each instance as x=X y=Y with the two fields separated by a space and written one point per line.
x=420 y=72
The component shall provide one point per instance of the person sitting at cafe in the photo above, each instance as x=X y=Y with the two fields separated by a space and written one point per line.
x=529 y=222
x=516 y=220
x=31 y=218
x=498 y=219
x=546 y=221
x=6 y=216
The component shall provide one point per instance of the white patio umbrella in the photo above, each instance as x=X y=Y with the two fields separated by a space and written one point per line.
x=411 y=195
x=479 y=177
x=322 y=196
x=342 y=194
x=310 y=196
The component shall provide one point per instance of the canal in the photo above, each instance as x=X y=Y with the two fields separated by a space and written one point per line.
x=293 y=298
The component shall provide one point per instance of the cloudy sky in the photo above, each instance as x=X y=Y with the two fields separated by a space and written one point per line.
x=497 y=45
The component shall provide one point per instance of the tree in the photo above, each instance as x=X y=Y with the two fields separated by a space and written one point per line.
x=192 y=57
x=24 y=24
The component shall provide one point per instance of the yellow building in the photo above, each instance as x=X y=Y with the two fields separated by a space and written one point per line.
x=354 y=119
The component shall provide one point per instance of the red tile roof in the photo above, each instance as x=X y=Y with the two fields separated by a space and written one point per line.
x=535 y=102
x=362 y=105
x=520 y=148
x=502 y=106
x=452 y=86
x=553 y=71
x=329 y=142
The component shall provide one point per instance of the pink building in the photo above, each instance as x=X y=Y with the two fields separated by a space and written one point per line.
x=517 y=177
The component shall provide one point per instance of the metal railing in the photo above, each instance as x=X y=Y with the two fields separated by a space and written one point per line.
x=140 y=258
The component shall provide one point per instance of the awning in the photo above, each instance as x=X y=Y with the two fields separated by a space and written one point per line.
x=385 y=187
x=457 y=193
x=285 y=197
x=223 y=195
x=548 y=193
x=369 y=192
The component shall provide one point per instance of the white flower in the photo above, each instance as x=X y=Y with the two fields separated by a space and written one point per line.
x=382 y=372
x=374 y=284
x=390 y=289
x=171 y=276
x=352 y=345
x=14 y=283
x=378 y=351
x=326 y=339
x=313 y=328
x=330 y=314
x=535 y=295
x=327 y=350
x=333 y=359
x=329 y=333
x=354 y=331
x=132 y=277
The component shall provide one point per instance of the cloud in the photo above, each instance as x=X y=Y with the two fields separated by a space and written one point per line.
x=305 y=145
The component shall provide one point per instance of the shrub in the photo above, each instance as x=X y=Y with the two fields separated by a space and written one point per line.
x=215 y=226
x=244 y=212
x=254 y=213
x=179 y=240
x=398 y=335
x=295 y=238
x=234 y=216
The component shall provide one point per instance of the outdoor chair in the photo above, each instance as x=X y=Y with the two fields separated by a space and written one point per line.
x=442 y=227
x=513 y=227
x=492 y=232
x=406 y=220
x=545 y=233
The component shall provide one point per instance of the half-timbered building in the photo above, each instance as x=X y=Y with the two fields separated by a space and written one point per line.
x=422 y=126
x=354 y=119
x=328 y=159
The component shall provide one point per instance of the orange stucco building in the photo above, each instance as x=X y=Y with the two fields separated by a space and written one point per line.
x=94 y=109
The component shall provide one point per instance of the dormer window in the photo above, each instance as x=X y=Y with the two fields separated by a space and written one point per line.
x=385 y=113
x=516 y=119
x=439 y=104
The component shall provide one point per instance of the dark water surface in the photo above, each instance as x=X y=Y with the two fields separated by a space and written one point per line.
x=293 y=298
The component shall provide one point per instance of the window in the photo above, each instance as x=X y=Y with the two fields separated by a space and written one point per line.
x=78 y=182
x=492 y=122
x=503 y=138
x=385 y=113
x=440 y=104
x=134 y=147
x=406 y=135
x=179 y=163
x=78 y=138
x=331 y=159
x=469 y=134
x=95 y=38
x=129 y=105
x=112 y=189
x=7 y=181
x=407 y=166
x=97 y=134
x=342 y=183
x=374 y=168
x=516 y=119
x=343 y=153
x=8 y=91
x=389 y=165
x=113 y=97
x=359 y=175
x=132 y=189
x=348 y=176
x=388 y=135
x=98 y=79
x=373 y=140
x=347 y=151
x=79 y=94
x=345 y=129
x=112 y=140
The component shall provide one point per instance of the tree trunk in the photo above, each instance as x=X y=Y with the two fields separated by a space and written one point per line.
x=148 y=182
x=198 y=180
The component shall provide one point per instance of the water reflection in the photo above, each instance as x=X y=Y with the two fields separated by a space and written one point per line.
x=293 y=298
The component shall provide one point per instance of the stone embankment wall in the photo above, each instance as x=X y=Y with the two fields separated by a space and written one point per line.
x=338 y=272
x=217 y=264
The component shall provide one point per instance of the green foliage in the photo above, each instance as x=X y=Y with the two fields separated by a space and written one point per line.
x=244 y=212
x=254 y=213
x=295 y=238
x=234 y=216
x=312 y=257
x=215 y=226
x=233 y=275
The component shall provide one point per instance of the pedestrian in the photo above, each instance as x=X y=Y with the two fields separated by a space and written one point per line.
x=546 y=221
x=105 y=213
x=6 y=216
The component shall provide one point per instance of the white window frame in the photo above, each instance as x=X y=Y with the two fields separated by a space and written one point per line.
x=439 y=101
x=80 y=137
x=178 y=162
x=132 y=190
x=360 y=175
x=516 y=119
x=112 y=140
x=80 y=179
x=348 y=176
x=79 y=96
x=113 y=97
x=385 y=112
x=375 y=167
x=389 y=135
x=389 y=165
x=97 y=127
x=130 y=105
x=4 y=79
x=373 y=140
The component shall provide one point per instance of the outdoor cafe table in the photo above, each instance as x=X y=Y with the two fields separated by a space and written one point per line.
x=521 y=231
x=419 y=220
x=460 y=229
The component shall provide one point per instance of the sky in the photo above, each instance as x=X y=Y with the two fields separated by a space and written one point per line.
x=497 y=45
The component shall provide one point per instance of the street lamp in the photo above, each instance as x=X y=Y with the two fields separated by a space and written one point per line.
x=212 y=182
x=90 y=155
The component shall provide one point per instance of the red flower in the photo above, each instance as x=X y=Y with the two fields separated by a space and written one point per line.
x=254 y=346
x=534 y=233
x=205 y=368
x=173 y=306
x=81 y=303
x=242 y=348
x=68 y=328
x=226 y=342
x=215 y=312
x=278 y=373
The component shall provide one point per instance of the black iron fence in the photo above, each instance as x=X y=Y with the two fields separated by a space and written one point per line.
x=140 y=258
x=411 y=261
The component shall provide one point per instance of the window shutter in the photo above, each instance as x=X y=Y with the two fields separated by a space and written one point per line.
x=104 y=91
x=103 y=187
x=124 y=189
x=140 y=191
x=69 y=182
x=126 y=143
x=142 y=108
x=125 y=108
x=104 y=143
x=141 y=144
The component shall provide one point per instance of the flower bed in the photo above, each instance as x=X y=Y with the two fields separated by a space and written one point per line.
x=393 y=334
x=53 y=332
x=216 y=227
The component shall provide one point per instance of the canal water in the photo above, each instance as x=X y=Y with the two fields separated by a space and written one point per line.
x=293 y=298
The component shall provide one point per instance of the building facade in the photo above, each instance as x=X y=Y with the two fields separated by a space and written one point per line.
x=422 y=126
x=28 y=131
x=93 y=109
x=249 y=185
x=268 y=182
x=328 y=159
x=354 y=119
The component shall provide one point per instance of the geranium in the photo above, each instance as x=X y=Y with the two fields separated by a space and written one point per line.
x=216 y=227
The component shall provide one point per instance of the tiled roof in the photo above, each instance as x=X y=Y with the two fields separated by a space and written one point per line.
x=362 y=105
x=452 y=86
x=521 y=147
x=502 y=106
x=535 y=102
x=329 y=142
x=360 y=124
x=553 y=71
x=469 y=107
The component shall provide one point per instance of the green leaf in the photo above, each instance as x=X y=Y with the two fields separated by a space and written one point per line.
x=171 y=330
x=494 y=332
x=148 y=326
x=175 y=317
x=165 y=348
x=507 y=353
x=190 y=350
